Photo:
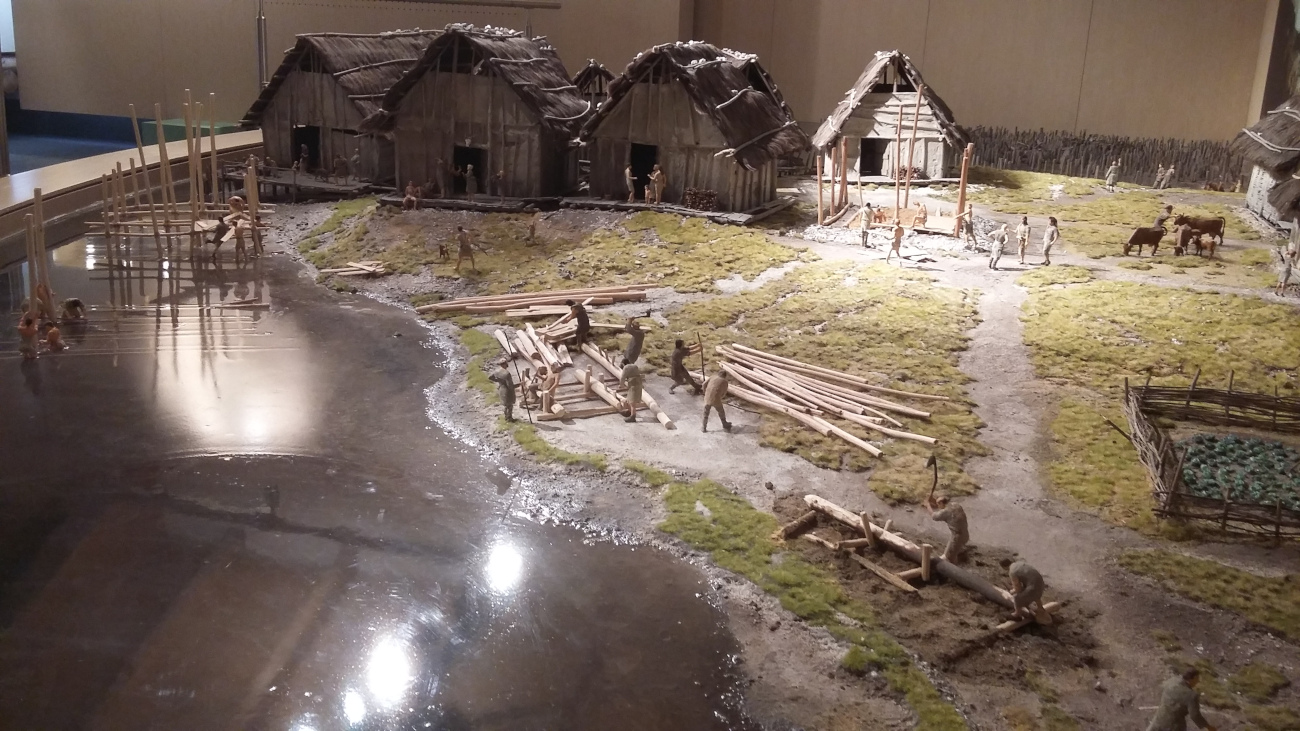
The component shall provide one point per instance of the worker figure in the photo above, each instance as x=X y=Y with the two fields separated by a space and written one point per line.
x=471 y=182
x=1050 y=237
x=1022 y=237
x=440 y=177
x=464 y=249
x=896 y=247
x=411 y=201
x=945 y=511
x=578 y=314
x=499 y=184
x=505 y=388
x=680 y=375
x=1160 y=175
x=1112 y=176
x=73 y=310
x=633 y=351
x=28 y=334
x=1284 y=274
x=532 y=228
x=1164 y=216
x=632 y=379
x=999 y=243
x=630 y=179
x=1026 y=588
x=1179 y=700
x=715 y=389
x=659 y=182
x=1169 y=178
x=53 y=338
x=966 y=225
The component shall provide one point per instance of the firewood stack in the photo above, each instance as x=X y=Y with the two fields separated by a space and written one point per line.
x=527 y=300
x=700 y=200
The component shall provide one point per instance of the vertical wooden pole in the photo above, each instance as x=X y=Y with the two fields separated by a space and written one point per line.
x=961 y=189
x=911 y=148
x=144 y=167
x=38 y=209
x=821 y=212
x=212 y=139
x=844 y=172
x=898 y=160
x=925 y=561
x=587 y=384
x=33 y=302
x=865 y=518
x=164 y=171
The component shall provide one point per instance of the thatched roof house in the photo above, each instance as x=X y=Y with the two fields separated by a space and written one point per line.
x=326 y=85
x=488 y=97
x=868 y=118
x=593 y=82
x=711 y=118
x=1272 y=145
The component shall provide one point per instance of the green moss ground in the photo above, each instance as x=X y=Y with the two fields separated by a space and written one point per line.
x=1015 y=191
x=526 y=436
x=653 y=476
x=736 y=536
x=1048 y=276
x=1271 y=602
x=891 y=326
x=1097 y=467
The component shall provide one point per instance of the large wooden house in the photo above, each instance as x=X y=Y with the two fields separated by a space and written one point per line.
x=1272 y=146
x=712 y=119
x=327 y=84
x=867 y=118
x=491 y=98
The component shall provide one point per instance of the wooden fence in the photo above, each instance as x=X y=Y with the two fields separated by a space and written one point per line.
x=1164 y=461
x=1088 y=156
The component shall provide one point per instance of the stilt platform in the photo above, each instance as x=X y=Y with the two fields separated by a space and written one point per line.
x=286 y=182
x=746 y=218
x=482 y=204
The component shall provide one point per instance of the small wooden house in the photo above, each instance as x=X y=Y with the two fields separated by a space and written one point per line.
x=327 y=84
x=868 y=119
x=1272 y=145
x=593 y=82
x=491 y=98
x=712 y=119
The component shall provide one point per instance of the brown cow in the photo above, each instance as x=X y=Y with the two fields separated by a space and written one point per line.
x=1145 y=237
x=1182 y=239
x=1213 y=227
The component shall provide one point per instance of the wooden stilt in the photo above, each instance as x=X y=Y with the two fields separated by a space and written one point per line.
x=898 y=160
x=911 y=149
x=165 y=172
x=33 y=268
x=212 y=152
x=961 y=188
x=821 y=210
x=844 y=172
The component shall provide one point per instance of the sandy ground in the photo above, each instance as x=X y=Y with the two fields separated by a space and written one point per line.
x=1102 y=659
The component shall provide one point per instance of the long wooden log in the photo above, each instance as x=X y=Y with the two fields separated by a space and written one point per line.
x=862 y=561
x=806 y=376
x=800 y=525
x=505 y=344
x=599 y=358
x=491 y=308
x=600 y=390
x=911 y=551
x=578 y=294
x=856 y=380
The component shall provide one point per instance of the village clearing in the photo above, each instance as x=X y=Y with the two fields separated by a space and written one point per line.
x=1033 y=361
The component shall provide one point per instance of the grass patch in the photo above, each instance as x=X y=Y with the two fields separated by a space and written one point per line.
x=1041 y=687
x=426 y=298
x=1273 y=718
x=1055 y=719
x=1271 y=602
x=1131 y=209
x=1012 y=191
x=481 y=346
x=893 y=327
x=1137 y=266
x=653 y=476
x=735 y=535
x=1096 y=467
x=856 y=661
x=1166 y=639
x=526 y=436
x=1258 y=682
x=347 y=228
x=343 y=210
x=1048 y=276
x=1094 y=242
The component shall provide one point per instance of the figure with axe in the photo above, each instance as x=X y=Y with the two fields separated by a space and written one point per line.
x=944 y=511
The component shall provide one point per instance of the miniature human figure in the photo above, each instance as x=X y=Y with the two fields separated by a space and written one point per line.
x=998 y=244
x=966 y=225
x=1112 y=176
x=28 y=331
x=304 y=158
x=1179 y=700
x=505 y=387
x=464 y=248
x=240 y=251
x=529 y=391
x=1284 y=274
x=578 y=314
x=411 y=201
x=945 y=511
x=630 y=179
x=428 y=189
x=659 y=182
x=1163 y=217
x=440 y=176
x=354 y=166
x=680 y=375
x=341 y=168
x=921 y=216
x=1050 y=237
x=471 y=182
x=44 y=303
x=499 y=183
x=73 y=310
x=532 y=228
x=633 y=351
x=631 y=377
x=1026 y=587
x=268 y=165
x=1160 y=175
x=715 y=389
x=1022 y=237
x=896 y=247
x=1169 y=178
x=649 y=192
x=53 y=338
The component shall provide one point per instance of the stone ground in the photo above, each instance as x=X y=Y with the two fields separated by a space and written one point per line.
x=1111 y=665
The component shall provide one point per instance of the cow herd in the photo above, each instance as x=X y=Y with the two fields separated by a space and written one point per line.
x=1189 y=232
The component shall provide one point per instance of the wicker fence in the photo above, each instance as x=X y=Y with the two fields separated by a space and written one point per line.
x=1083 y=155
x=1164 y=461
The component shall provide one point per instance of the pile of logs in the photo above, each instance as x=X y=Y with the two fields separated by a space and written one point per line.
x=808 y=393
x=700 y=200
x=880 y=538
x=526 y=300
x=358 y=269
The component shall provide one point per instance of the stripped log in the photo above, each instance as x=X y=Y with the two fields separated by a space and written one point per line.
x=871 y=566
x=813 y=381
x=912 y=552
x=856 y=380
x=599 y=358
x=798 y=526
x=505 y=343
x=630 y=292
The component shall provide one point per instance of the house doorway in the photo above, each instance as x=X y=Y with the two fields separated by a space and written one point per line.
x=643 y=162
x=461 y=159
x=871 y=160
x=309 y=136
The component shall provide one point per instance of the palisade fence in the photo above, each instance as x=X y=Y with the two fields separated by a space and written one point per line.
x=1086 y=155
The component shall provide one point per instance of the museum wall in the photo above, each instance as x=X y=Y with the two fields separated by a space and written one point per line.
x=1143 y=68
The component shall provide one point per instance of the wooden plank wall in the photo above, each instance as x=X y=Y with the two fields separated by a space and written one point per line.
x=316 y=99
x=934 y=156
x=663 y=115
x=447 y=109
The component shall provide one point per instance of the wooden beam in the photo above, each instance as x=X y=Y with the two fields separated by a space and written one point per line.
x=798 y=526
x=871 y=566
x=821 y=210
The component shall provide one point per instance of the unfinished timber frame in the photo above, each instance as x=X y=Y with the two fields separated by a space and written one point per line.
x=492 y=98
x=1145 y=405
x=711 y=118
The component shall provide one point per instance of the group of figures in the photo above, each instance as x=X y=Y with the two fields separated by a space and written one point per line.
x=654 y=189
x=494 y=185
x=341 y=171
x=1164 y=176
x=1205 y=234
x=38 y=328
x=1001 y=237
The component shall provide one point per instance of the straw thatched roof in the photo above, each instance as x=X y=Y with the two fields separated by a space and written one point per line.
x=829 y=132
x=730 y=88
x=365 y=65
x=530 y=65
x=1273 y=143
x=591 y=73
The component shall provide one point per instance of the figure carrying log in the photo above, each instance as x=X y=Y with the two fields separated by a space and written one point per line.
x=632 y=379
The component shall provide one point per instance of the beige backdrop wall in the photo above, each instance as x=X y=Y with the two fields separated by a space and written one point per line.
x=1143 y=68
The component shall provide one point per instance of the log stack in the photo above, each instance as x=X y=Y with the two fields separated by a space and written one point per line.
x=527 y=300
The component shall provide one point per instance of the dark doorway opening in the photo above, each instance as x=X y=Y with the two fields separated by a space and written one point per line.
x=871 y=160
x=461 y=159
x=643 y=161
x=309 y=136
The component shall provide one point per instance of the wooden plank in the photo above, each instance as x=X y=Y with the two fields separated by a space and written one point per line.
x=871 y=566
